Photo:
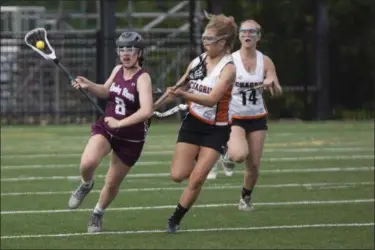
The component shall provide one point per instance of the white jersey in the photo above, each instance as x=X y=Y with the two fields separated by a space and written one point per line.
x=247 y=103
x=218 y=114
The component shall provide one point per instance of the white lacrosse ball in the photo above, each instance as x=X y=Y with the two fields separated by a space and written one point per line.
x=183 y=106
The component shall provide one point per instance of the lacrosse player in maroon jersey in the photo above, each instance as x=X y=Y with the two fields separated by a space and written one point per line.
x=122 y=129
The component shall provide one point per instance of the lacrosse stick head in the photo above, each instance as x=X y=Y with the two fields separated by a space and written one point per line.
x=37 y=35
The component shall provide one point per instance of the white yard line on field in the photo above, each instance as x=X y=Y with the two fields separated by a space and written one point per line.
x=169 y=152
x=284 y=203
x=265 y=159
x=153 y=175
x=220 y=229
x=212 y=187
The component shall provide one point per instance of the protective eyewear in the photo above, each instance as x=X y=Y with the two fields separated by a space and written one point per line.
x=253 y=32
x=211 y=39
x=128 y=50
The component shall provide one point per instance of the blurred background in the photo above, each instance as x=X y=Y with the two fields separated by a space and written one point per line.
x=323 y=51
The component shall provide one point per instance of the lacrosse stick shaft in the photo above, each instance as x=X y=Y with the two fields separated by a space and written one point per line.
x=162 y=98
x=165 y=95
x=171 y=111
x=253 y=88
x=200 y=67
x=56 y=61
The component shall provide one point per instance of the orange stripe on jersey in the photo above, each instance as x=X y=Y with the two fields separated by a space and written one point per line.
x=222 y=111
x=249 y=117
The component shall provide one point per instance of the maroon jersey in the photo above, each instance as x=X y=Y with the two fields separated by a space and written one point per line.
x=123 y=101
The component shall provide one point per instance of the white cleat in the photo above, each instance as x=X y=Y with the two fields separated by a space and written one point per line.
x=95 y=223
x=213 y=173
x=78 y=195
x=228 y=165
x=245 y=204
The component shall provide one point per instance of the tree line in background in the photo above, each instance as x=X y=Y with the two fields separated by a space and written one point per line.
x=287 y=37
x=287 y=29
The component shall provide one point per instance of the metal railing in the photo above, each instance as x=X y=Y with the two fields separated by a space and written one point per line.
x=33 y=90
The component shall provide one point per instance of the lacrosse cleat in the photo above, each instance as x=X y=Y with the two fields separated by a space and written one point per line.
x=227 y=164
x=245 y=204
x=78 y=195
x=172 y=226
x=213 y=173
x=95 y=223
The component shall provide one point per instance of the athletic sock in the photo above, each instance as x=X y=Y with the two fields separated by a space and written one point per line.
x=246 y=193
x=179 y=213
x=87 y=184
x=98 y=210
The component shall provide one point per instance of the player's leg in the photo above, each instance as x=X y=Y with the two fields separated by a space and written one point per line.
x=207 y=158
x=97 y=147
x=256 y=143
x=125 y=154
x=237 y=148
x=214 y=171
x=237 y=144
x=227 y=164
x=183 y=161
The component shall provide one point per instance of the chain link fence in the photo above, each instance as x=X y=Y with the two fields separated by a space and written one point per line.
x=35 y=91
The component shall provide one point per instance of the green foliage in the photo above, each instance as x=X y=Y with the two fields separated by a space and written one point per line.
x=287 y=38
x=351 y=44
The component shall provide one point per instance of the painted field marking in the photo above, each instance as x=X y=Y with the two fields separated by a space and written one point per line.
x=211 y=187
x=284 y=203
x=153 y=175
x=219 y=229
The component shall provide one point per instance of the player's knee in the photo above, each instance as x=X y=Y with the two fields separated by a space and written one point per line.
x=178 y=174
x=177 y=177
x=88 y=164
x=238 y=157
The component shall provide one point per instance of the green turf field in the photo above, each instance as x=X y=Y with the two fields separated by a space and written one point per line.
x=316 y=190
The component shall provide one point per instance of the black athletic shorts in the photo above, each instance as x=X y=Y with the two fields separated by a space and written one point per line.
x=196 y=132
x=251 y=125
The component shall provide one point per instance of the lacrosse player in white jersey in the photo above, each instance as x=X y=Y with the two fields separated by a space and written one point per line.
x=205 y=130
x=247 y=108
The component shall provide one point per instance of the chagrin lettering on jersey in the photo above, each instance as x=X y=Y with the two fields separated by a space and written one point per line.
x=125 y=92
x=247 y=84
x=200 y=88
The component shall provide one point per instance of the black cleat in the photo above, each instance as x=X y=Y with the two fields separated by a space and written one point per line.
x=172 y=226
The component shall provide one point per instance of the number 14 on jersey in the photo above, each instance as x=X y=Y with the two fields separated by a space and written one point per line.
x=251 y=98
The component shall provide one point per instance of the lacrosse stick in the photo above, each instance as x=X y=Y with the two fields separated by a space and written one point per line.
x=253 y=88
x=165 y=95
x=200 y=68
x=37 y=40
x=172 y=111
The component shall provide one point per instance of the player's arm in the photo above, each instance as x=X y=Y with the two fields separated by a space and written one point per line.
x=226 y=80
x=144 y=88
x=271 y=76
x=168 y=99
x=100 y=90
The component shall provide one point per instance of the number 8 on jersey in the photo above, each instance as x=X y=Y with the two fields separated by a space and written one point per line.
x=120 y=108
